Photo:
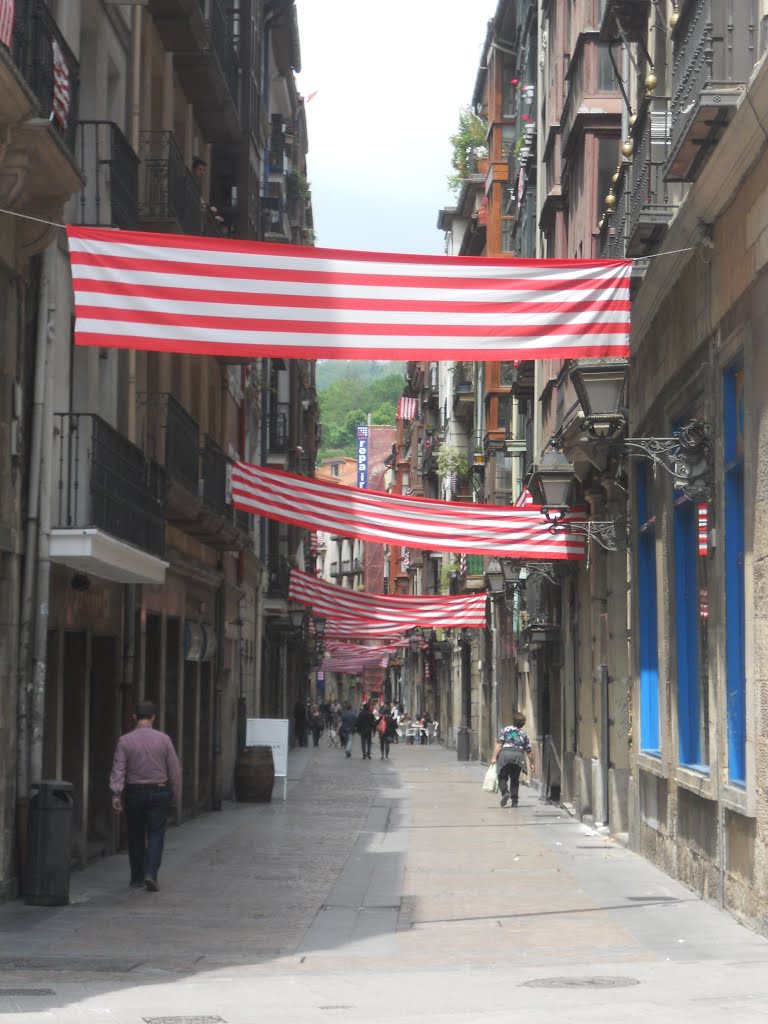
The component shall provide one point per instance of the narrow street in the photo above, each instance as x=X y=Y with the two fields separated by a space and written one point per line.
x=382 y=891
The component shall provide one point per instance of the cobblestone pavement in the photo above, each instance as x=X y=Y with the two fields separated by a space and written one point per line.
x=387 y=891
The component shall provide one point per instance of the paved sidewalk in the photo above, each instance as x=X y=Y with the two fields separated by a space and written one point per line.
x=385 y=890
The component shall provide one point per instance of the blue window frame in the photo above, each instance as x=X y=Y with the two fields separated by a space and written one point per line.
x=691 y=636
x=735 y=618
x=648 y=630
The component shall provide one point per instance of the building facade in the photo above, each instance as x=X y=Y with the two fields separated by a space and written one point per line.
x=127 y=573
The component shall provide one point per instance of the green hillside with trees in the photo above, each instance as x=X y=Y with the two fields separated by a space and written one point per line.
x=348 y=391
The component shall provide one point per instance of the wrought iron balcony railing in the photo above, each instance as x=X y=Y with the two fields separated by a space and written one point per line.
x=172 y=438
x=111 y=170
x=224 y=47
x=103 y=481
x=48 y=66
x=279 y=427
x=715 y=50
x=652 y=201
x=213 y=482
x=168 y=190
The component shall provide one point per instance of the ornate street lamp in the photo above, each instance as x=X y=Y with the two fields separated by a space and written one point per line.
x=554 y=479
x=600 y=386
x=494 y=576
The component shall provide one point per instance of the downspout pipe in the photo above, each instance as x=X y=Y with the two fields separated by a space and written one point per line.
x=26 y=626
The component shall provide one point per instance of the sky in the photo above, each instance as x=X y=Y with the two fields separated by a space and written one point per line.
x=389 y=79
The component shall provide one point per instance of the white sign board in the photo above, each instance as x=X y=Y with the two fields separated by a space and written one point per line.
x=271 y=732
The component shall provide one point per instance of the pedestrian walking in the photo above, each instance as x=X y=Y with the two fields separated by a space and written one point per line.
x=509 y=758
x=386 y=728
x=145 y=782
x=316 y=724
x=300 y=723
x=347 y=728
x=366 y=726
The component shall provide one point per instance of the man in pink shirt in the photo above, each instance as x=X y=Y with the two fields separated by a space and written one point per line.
x=145 y=782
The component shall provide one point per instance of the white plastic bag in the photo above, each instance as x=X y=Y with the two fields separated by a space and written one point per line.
x=491 y=781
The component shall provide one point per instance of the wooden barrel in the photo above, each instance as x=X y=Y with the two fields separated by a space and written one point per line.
x=254 y=775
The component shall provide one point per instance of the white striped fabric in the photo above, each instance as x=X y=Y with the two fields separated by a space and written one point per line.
x=60 y=85
x=395 y=613
x=407 y=408
x=6 y=22
x=423 y=523
x=183 y=293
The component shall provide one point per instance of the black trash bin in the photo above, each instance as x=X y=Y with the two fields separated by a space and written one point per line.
x=462 y=743
x=49 y=843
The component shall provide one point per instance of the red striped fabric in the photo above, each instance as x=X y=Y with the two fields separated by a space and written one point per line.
x=6 y=22
x=702 y=511
x=424 y=523
x=343 y=607
x=407 y=408
x=60 y=85
x=183 y=293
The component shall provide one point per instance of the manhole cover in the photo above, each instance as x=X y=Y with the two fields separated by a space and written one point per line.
x=606 y=982
x=7 y=993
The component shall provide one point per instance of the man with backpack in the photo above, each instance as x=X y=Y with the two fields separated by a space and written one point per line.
x=509 y=758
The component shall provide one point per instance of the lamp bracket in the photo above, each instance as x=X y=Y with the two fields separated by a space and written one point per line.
x=611 y=535
x=544 y=569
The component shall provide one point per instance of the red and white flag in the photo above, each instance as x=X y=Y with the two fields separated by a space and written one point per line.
x=524 y=499
x=422 y=523
x=338 y=604
x=407 y=408
x=60 y=85
x=6 y=22
x=212 y=296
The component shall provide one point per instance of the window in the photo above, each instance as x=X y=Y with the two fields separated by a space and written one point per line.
x=735 y=619
x=508 y=89
x=648 y=613
x=692 y=638
x=607 y=159
x=507 y=229
x=508 y=140
x=606 y=76
x=504 y=482
x=475 y=565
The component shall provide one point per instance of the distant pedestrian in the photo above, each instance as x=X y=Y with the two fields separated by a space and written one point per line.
x=145 y=782
x=347 y=728
x=387 y=731
x=300 y=723
x=316 y=724
x=366 y=726
x=509 y=758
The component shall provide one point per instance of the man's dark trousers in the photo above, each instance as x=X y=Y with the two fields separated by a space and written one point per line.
x=510 y=772
x=146 y=814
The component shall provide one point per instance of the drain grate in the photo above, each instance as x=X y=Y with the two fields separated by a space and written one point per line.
x=68 y=963
x=183 y=1020
x=598 y=982
x=7 y=993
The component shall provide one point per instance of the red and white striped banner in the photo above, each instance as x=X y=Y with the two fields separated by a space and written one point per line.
x=343 y=606
x=60 y=85
x=407 y=408
x=6 y=22
x=702 y=512
x=210 y=296
x=424 y=523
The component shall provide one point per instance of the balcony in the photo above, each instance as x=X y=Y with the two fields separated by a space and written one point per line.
x=38 y=129
x=652 y=201
x=625 y=20
x=197 y=476
x=274 y=220
x=217 y=524
x=279 y=428
x=110 y=197
x=463 y=389
x=208 y=73
x=107 y=511
x=715 y=49
x=180 y=23
x=169 y=198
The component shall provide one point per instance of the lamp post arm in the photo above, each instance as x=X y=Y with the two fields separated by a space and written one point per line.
x=665 y=451
x=610 y=535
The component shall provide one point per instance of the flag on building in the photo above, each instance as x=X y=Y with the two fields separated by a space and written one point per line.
x=425 y=524
x=407 y=408
x=61 y=95
x=702 y=511
x=6 y=22
x=214 y=296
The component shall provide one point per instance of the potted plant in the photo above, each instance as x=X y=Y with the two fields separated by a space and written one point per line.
x=469 y=143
